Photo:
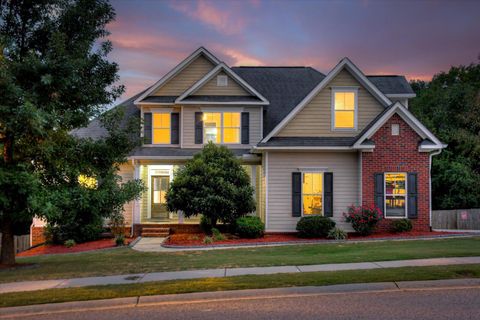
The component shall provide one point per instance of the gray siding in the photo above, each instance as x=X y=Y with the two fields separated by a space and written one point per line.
x=344 y=166
x=126 y=172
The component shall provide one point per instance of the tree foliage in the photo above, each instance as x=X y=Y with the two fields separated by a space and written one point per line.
x=54 y=77
x=450 y=106
x=213 y=184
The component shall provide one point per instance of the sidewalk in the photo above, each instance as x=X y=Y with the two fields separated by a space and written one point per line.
x=225 y=272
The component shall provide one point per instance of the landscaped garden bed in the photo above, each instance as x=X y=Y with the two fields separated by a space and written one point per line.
x=198 y=239
x=81 y=247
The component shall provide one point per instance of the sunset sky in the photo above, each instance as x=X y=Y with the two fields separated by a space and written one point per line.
x=413 y=38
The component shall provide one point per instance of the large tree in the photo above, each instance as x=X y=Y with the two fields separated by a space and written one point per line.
x=450 y=106
x=54 y=77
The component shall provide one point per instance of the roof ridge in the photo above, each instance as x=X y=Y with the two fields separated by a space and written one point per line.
x=385 y=75
x=305 y=67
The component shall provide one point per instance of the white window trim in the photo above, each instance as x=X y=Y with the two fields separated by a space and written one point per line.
x=355 y=111
x=222 y=127
x=397 y=132
x=163 y=111
x=385 y=195
x=150 y=169
x=323 y=192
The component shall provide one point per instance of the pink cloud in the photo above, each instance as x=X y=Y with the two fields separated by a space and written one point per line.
x=238 y=58
x=223 y=21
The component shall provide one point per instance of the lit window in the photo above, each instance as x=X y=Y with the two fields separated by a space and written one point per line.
x=344 y=109
x=161 y=128
x=221 y=127
x=395 y=195
x=312 y=193
x=87 y=182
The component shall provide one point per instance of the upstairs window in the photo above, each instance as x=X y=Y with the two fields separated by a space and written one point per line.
x=344 y=108
x=161 y=128
x=221 y=127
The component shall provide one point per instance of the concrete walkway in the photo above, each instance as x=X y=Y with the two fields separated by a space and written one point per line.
x=225 y=272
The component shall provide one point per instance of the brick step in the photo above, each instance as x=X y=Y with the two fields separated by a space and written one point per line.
x=155 y=230
x=155 y=235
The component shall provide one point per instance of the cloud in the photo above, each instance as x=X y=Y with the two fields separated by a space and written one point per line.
x=238 y=58
x=224 y=21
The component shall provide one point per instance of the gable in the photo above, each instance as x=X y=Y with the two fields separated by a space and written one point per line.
x=314 y=120
x=186 y=77
x=231 y=89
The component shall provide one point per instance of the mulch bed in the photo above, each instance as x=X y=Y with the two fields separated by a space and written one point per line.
x=80 y=247
x=196 y=240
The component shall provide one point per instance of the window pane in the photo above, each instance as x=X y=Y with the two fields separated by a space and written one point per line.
x=307 y=183
x=344 y=119
x=312 y=204
x=231 y=135
x=349 y=101
x=395 y=206
x=339 y=101
x=161 y=136
x=211 y=124
x=395 y=183
x=231 y=119
x=161 y=120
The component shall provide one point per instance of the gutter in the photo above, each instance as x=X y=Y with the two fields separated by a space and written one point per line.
x=430 y=185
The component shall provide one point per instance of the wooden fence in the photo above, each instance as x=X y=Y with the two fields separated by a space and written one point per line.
x=460 y=219
x=22 y=243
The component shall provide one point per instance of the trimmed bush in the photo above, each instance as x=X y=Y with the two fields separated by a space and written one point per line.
x=207 y=240
x=69 y=243
x=401 y=225
x=250 y=227
x=364 y=219
x=314 y=226
x=120 y=240
x=217 y=235
x=337 y=234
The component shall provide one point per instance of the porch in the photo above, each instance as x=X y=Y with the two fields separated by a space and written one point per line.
x=151 y=209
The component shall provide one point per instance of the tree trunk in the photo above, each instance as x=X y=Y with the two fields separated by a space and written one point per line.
x=8 y=245
x=7 y=255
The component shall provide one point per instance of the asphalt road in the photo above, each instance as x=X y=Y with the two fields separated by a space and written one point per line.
x=437 y=304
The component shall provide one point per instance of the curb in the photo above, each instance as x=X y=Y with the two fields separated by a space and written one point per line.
x=235 y=295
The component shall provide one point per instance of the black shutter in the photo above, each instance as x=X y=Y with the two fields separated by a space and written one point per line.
x=412 y=196
x=328 y=194
x=147 y=128
x=296 y=194
x=379 y=192
x=198 y=127
x=175 y=128
x=245 y=128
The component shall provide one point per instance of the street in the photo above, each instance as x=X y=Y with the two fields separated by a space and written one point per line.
x=431 y=303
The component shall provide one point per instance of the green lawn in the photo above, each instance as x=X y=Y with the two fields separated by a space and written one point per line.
x=238 y=283
x=126 y=260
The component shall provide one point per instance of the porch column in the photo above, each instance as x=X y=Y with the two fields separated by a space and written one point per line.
x=253 y=182
x=136 y=202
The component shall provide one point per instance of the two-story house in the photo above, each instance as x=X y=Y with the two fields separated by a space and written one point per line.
x=313 y=144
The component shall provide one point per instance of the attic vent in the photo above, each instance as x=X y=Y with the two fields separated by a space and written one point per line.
x=395 y=129
x=222 y=81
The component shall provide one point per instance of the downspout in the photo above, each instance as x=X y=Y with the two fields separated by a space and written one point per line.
x=434 y=153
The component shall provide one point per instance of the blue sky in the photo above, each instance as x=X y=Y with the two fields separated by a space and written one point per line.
x=413 y=38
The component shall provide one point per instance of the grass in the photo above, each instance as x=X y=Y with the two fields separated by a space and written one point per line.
x=239 y=283
x=126 y=260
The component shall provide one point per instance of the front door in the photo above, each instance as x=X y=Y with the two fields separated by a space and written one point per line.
x=159 y=189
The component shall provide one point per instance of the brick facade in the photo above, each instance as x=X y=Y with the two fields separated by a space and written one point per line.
x=38 y=236
x=397 y=154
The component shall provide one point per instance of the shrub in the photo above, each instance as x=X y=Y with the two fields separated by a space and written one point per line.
x=208 y=240
x=117 y=225
x=250 y=227
x=206 y=224
x=213 y=184
x=120 y=240
x=401 y=225
x=314 y=226
x=217 y=235
x=364 y=219
x=69 y=243
x=337 y=234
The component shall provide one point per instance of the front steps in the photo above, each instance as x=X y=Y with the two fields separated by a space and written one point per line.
x=155 y=232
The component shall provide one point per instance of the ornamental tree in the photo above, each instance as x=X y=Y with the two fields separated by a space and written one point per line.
x=213 y=184
x=54 y=77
